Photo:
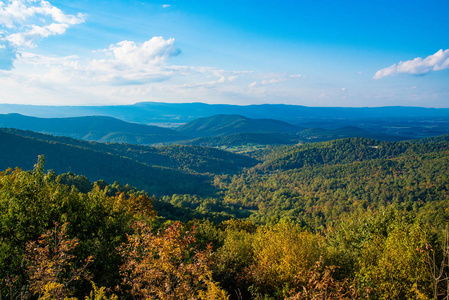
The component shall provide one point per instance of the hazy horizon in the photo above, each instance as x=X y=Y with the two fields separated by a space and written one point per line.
x=231 y=104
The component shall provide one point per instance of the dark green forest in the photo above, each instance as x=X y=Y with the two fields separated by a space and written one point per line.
x=352 y=218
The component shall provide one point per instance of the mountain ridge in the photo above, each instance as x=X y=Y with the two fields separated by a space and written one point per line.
x=190 y=159
x=91 y=128
x=231 y=124
x=150 y=112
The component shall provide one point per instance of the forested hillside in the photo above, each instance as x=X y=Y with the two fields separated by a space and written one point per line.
x=93 y=128
x=22 y=152
x=345 y=219
x=160 y=171
x=231 y=124
x=345 y=151
x=109 y=243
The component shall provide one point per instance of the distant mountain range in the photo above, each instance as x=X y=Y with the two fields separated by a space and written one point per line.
x=156 y=112
x=222 y=131
x=409 y=122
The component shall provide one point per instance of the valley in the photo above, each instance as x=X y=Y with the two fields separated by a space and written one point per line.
x=222 y=186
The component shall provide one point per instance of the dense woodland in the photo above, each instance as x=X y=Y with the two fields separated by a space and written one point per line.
x=345 y=219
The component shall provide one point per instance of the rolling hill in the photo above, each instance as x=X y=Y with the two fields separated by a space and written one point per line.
x=191 y=159
x=18 y=151
x=231 y=124
x=92 y=128
x=343 y=151
x=234 y=132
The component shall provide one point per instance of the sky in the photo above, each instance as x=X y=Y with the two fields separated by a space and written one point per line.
x=303 y=52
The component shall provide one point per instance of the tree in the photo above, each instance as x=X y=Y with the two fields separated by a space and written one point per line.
x=393 y=267
x=51 y=264
x=284 y=254
x=166 y=266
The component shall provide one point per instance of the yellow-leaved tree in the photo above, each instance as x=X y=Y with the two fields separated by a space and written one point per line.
x=166 y=266
x=394 y=267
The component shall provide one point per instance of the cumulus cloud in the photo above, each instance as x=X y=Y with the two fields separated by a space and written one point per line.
x=25 y=21
x=129 y=61
x=124 y=63
x=418 y=66
x=154 y=51
x=124 y=71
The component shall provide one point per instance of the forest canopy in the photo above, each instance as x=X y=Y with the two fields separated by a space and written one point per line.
x=345 y=219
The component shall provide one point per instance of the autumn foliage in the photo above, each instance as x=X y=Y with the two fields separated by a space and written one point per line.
x=107 y=244
x=166 y=266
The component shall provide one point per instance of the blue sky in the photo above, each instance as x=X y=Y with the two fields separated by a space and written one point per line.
x=313 y=53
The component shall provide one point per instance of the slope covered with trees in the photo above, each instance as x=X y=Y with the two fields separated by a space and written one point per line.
x=93 y=128
x=21 y=152
x=231 y=124
x=345 y=219
x=181 y=158
x=318 y=183
x=58 y=243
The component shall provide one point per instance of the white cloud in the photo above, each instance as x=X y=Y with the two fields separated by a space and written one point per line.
x=25 y=21
x=344 y=89
x=418 y=66
x=252 y=84
x=166 y=5
x=128 y=61
x=19 y=12
x=273 y=81
x=129 y=72
x=232 y=78
x=268 y=79
x=27 y=38
x=206 y=77
x=152 y=52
